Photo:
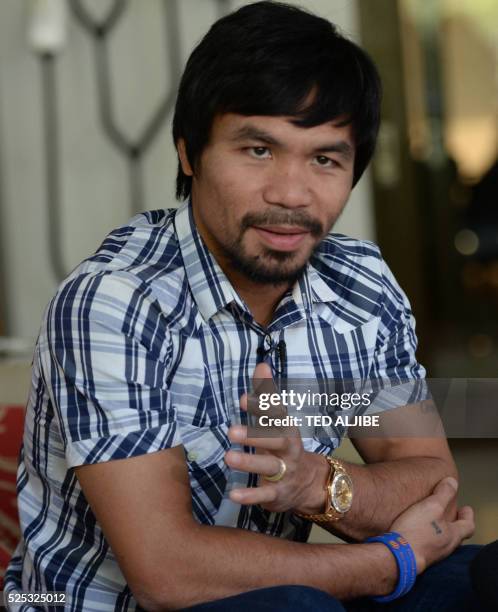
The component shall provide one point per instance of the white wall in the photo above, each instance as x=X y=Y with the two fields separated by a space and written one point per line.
x=94 y=176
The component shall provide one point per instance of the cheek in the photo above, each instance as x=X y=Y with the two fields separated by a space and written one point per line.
x=342 y=189
x=332 y=203
x=218 y=176
x=236 y=194
x=235 y=179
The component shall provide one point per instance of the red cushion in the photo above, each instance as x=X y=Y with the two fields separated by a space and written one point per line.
x=11 y=430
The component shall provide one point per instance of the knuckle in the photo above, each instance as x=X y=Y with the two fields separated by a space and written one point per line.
x=242 y=461
x=273 y=494
x=433 y=506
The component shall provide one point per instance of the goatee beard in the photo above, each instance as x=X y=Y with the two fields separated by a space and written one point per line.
x=257 y=270
x=271 y=267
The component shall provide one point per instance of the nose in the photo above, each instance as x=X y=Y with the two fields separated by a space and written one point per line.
x=287 y=185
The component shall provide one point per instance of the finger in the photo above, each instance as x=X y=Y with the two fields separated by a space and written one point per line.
x=243 y=402
x=268 y=404
x=465 y=524
x=445 y=491
x=275 y=433
x=262 y=379
x=238 y=434
x=262 y=371
x=466 y=513
x=265 y=389
x=259 y=403
x=257 y=495
x=264 y=465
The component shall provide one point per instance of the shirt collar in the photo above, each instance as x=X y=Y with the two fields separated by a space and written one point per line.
x=320 y=291
x=211 y=288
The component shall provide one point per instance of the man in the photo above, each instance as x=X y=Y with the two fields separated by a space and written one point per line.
x=138 y=481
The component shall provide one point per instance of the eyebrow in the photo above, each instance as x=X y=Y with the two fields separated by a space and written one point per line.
x=344 y=149
x=250 y=132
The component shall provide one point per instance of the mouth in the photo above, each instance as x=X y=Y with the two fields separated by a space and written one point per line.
x=281 y=237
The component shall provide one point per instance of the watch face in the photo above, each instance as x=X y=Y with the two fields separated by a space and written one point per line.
x=342 y=492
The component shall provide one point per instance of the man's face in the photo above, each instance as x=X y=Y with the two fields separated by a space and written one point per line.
x=266 y=192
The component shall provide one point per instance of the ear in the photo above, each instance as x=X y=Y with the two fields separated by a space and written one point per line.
x=182 y=154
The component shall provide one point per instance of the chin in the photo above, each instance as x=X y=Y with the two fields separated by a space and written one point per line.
x=273 y=267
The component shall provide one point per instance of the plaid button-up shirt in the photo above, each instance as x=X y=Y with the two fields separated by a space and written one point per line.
x=147 y=346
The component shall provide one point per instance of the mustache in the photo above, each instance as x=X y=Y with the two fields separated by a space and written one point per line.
x=291 y=218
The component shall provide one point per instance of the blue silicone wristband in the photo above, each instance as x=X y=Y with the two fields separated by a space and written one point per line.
x=405 y=560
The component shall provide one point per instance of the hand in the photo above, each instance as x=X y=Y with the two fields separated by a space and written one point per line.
x=429 y=533
x=295 y=490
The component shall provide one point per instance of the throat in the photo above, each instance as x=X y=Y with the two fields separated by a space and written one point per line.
x=262 y=302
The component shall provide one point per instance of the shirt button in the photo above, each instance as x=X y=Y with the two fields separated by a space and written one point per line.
x=192 y=456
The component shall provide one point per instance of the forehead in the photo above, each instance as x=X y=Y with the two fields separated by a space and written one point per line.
x=233 y=127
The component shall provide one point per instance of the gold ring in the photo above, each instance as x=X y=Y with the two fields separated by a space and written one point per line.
x=280 y=474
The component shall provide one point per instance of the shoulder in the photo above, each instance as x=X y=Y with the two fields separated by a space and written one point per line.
x=136 y=257
x=356 y=271
x=350 y=253
x=128 y=286
x=350 y=266
x=148 y=239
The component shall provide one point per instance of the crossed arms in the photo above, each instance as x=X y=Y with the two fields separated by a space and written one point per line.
x=143 y=505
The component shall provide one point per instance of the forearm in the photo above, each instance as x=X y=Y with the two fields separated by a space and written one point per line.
x=382 y=491
x=219 y=562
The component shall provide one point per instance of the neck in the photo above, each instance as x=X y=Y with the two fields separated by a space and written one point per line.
x=261 y=300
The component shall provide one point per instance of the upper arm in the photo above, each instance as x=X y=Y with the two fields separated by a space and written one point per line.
x=374 y=450
x=106 y=358
x=409 y=431
x=409 y=422
x=143 y=505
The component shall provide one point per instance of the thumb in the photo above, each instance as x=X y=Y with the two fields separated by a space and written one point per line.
x=448 y=481
x=465 y=524
x=264 y=385
x=262 y=379
x=445 y=490
x=262 y=370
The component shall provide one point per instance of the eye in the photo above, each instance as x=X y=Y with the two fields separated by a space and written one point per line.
x=260 y=152
x=325 y=162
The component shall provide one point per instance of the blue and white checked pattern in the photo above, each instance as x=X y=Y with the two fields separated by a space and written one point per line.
x=147 y=346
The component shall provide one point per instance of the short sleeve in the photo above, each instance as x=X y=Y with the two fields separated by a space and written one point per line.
x=396 y=375
x=105 y=354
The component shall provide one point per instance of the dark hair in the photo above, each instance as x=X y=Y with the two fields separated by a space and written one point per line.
x=270 y=58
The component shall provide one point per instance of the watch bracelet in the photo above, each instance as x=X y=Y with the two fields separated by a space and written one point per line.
x=326 y=517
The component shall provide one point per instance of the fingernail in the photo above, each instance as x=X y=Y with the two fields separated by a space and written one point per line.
x=453 y=482
x=233 y=458
x=236 y=433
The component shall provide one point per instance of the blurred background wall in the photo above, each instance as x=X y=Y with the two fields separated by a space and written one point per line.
x=436 y=176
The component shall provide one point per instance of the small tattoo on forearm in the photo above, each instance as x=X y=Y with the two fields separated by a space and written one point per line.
x=437 y=528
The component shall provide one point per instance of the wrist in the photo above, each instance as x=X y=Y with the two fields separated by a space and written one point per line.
x=420 y=561
x=406 y=563
x=339 y=494
x=314 y=496
x=389 y=573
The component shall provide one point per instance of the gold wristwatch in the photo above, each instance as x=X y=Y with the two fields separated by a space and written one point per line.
x=339 y=489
